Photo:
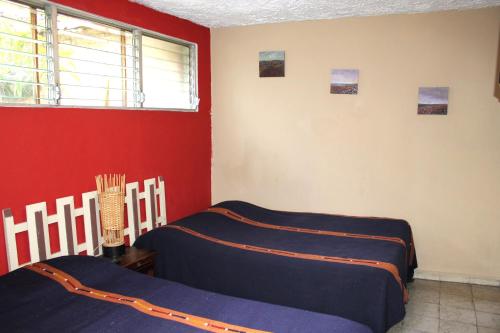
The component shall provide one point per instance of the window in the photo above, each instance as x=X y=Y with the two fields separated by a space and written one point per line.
x=166 y=73
x=95 y=63
x=51 y=55
x=23 y=54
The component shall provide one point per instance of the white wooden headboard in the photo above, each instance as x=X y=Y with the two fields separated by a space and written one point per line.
x=37 y=222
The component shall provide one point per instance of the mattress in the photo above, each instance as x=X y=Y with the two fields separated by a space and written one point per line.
x=88 y=294
x=355 y=268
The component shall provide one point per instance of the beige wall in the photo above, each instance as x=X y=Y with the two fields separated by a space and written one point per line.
x=287 y=143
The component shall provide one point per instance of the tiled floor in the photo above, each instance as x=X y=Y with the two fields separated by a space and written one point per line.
x=451 y=308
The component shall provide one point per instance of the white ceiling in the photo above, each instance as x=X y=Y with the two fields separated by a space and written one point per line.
x=223 y=13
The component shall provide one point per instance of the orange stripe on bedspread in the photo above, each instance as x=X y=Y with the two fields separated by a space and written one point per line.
x=391 y=268
x=74 y=286
x=237 y=217
x=412 y=243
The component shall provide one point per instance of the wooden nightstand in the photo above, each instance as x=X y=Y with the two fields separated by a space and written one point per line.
x=138 y=260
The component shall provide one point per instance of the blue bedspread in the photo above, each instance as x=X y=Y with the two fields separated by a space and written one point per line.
x=31 y=302
x=217 y=253
x=364 y=225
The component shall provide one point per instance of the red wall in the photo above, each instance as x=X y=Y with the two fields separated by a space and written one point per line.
x=47 y=153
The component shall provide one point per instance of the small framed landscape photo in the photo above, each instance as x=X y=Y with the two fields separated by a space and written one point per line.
x=272 y=64
x=344 y=81
x=433 y=100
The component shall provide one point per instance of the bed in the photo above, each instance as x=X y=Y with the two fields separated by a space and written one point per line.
x=352 y=267
x=389 y=229
x=57 y=290
x=88 y=294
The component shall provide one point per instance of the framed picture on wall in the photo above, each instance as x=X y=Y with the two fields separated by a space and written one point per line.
x=272 y=64
x=344 y=81
x=433 y=100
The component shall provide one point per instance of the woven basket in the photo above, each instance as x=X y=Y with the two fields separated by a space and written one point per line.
x=111 y=204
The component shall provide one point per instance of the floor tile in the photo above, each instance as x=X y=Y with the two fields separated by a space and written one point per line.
x=457 y=315
x=398 y=328
x=463 y=297
x=425 y=296
x=453 y=288
x=456 y=301
x=421 y=323
x=446 y=326
x=424 y=284
x=488 y=320
x=411 y=330
x=487 y=306
x=487 y=330
x=451 y=307
x=488 y=293
x=422 y=309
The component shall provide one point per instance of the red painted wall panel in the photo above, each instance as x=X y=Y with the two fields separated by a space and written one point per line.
x=48 y=153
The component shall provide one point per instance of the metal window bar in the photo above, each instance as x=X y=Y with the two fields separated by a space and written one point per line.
x=23 y=82
x=24 y=39
x=169 y=61
x=193 y=93
x=123 y=50
x=169 y=70
x=183 y=54
x=182 y=82
x=105 y=25
x=23 y=53
x=96 y=62
x=26 y=97
x=41 y=27
x=92 y=49
x=137 y=71
x=52 y=60
x=94 y=38
x=114 y=77
x=90 y=99
x=92 y=87
x=35 y=68
x=9 y=2
x=36 y=63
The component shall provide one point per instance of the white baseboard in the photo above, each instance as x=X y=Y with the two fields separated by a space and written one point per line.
x=448 y=277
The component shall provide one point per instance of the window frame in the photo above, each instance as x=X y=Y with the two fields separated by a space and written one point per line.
x=52 y=10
